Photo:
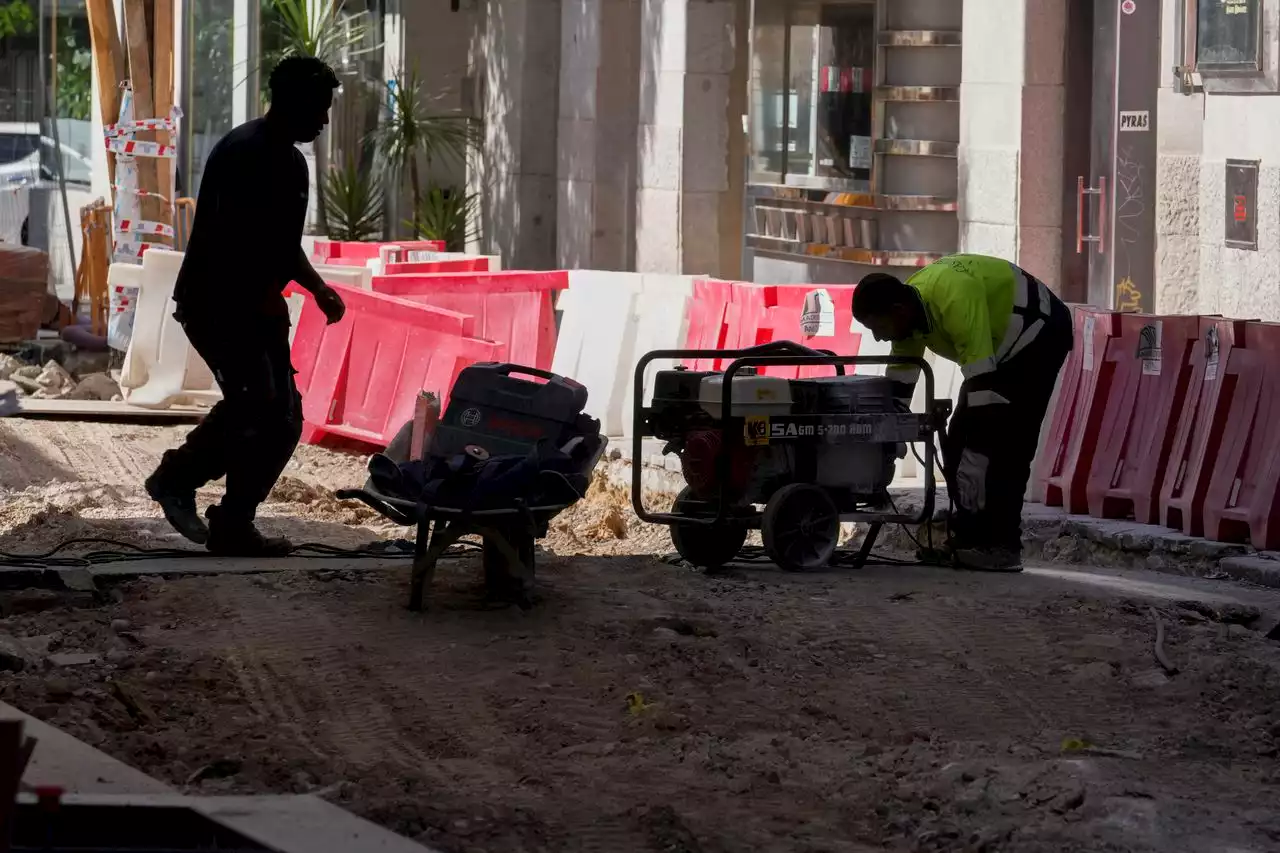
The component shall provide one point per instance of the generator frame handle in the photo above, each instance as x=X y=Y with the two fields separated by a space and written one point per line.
x=792 y=354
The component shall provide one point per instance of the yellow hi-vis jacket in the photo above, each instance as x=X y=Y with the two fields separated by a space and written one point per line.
x=981 y=311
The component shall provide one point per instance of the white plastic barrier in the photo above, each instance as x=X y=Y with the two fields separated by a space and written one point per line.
x=609 y=320
x=160 y=367
x=661 y=312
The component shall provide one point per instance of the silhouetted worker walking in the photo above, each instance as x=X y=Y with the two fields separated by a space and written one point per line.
x=245 y=248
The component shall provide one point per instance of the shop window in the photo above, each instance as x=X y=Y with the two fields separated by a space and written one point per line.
x=1228 y=35
x=211 y=77
x=812 y=82
x=1220 y=38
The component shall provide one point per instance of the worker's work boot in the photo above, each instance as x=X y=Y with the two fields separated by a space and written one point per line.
x=179 y=506
x=989 y=560
x=234 y=538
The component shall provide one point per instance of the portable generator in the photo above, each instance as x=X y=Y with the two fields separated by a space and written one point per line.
x=790 y=457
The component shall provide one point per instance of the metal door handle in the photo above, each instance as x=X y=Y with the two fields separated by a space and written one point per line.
x=1079 y=214
x=1081 y=237
x=1102 y=215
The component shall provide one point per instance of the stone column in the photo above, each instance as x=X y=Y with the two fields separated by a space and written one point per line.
x=690 y=149
x=659 y=156
x=990 y=125
x=710 y=222
x=576 y=131
x=1011 y=120
x=517 y=54
x=1040 y=177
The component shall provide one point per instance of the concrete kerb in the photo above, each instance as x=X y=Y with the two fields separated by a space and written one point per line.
x=89 y=579
x=1050 y=534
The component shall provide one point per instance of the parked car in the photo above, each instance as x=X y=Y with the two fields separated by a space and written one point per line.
x=26 y=163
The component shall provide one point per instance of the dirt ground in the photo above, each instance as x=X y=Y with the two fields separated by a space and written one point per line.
x=642 y=706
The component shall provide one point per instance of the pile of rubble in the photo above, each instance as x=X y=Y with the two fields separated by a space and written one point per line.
x=54 y=382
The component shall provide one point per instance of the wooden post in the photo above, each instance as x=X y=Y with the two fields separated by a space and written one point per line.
x=144 y=104
x=108 y=63
x=162 y=26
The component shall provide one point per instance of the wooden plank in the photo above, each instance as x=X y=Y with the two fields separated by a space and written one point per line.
x=144 y=105
x=162 y=28
x=108 y=64
x=104 y=410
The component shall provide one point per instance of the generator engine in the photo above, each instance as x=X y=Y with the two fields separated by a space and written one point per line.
x=774 y=451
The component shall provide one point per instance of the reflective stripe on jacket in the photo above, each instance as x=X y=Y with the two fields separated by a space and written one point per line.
x=981 y=311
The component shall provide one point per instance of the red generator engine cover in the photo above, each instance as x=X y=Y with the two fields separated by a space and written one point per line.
x=698 y=464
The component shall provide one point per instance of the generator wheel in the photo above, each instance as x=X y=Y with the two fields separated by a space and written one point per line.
x=703 y=545
x=801 y=527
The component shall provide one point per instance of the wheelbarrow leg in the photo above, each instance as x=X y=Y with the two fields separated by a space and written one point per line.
x=509 y=563
x=427 y=552
x=421 y=570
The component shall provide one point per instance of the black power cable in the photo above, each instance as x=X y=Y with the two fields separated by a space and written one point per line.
x=55 y=558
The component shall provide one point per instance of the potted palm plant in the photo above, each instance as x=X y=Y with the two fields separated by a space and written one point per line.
x=413 y=136
x=353 y=198
x=447 y=214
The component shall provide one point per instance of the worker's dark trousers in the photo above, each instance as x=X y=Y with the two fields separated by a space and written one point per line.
x=992 y=438
x=251 y=433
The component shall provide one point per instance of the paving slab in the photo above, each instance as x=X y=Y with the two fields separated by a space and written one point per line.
x=59 y=759
x=189 y=566
x=288 y=823
x=86 y=579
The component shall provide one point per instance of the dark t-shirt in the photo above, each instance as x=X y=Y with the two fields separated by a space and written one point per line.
x=247 y=234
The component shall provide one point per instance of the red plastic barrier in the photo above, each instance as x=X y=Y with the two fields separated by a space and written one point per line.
x=785 y=325
x=1242 y=503
x=745 y=316
x=343 y=262
x=515 y=309
x=707 y=329
x=1152 y=370
x=359 y=378
x=1076 y=423
x=477 y=264
x=326 y=251
x=735 y=315
x=1200 y=426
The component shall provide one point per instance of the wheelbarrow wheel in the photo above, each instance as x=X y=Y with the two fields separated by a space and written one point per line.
x=801 y=527
x=708 y=546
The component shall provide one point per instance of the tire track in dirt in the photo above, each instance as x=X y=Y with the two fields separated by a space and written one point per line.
x=321 y=679
x=256 y=681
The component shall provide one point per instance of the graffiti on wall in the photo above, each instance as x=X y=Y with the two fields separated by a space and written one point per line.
x=1130 y=207
x=1128 y=297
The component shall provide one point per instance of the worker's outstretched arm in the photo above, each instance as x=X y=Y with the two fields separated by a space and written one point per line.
x=327 y=299
x=905 y=376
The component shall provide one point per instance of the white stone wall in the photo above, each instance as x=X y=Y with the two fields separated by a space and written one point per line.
x=1198 y=133
x=1179 y=143
x=1239 y=282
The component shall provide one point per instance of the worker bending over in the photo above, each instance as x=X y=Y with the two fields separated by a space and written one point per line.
x=245 y=248
x=1010 y=335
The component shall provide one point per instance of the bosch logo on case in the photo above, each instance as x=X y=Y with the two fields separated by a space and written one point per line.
x=470 y=418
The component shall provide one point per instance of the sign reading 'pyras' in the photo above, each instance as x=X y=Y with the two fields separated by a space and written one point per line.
x=1135 y=120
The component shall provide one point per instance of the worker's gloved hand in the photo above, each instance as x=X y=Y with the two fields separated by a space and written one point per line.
x=331 y=304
